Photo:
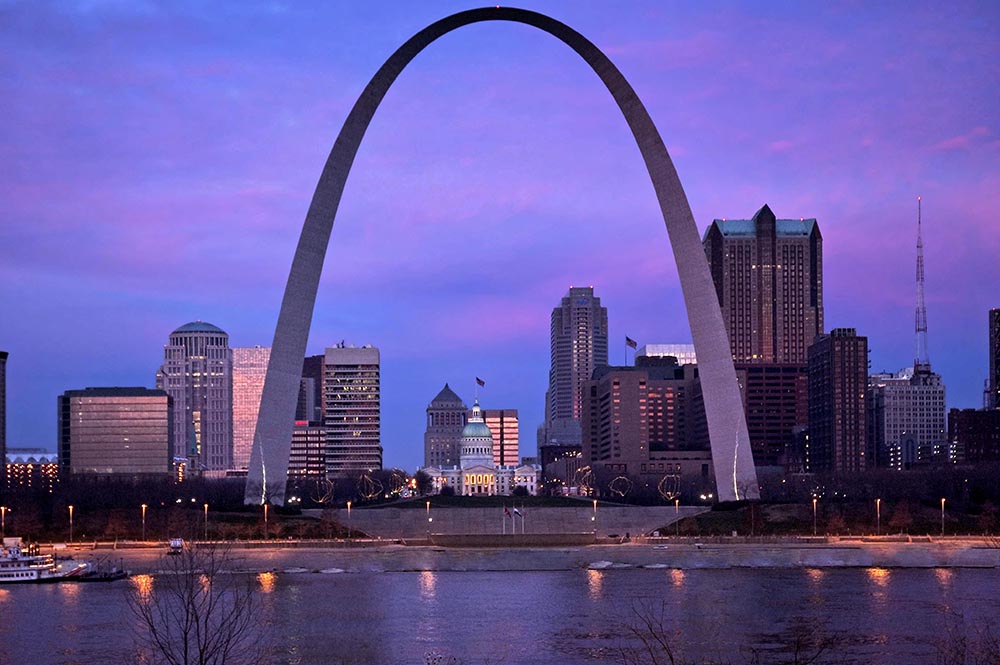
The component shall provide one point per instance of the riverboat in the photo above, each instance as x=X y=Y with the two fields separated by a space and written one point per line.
x=19 y=566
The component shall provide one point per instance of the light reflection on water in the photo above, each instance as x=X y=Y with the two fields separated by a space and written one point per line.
x=595 y=583
x=676 y=577
x=944 y=576
x=267 y=580
x=879 y=578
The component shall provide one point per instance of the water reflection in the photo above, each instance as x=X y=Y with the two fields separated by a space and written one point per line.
x=71 y=593
x=944 y=576
x=880 y=578
x=143 y=585
x=267 y=580
x=677 y=577
x=595 y=584
x=428 y=585
x=816 y=576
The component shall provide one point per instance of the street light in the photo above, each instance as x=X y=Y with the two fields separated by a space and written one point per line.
x=71 y=523
x=144 y=506
x=677 y=517
x=265 y=521
x=942 y=516
x=348 y=521
x=206 y=521
x=593 y=518
x=814 y=516
x=3 y=522
x=429 y=519
x=878 y=517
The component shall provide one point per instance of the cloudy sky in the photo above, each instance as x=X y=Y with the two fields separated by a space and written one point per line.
x=157 y=160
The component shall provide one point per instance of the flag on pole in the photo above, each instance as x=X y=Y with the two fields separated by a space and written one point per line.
x=507 y=512
x=517 y=512
x=480 y=382
x=631 y=343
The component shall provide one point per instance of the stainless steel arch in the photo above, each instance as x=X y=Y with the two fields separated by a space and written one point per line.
x=734 y=469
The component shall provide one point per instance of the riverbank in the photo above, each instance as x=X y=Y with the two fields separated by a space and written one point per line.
x=378 y=557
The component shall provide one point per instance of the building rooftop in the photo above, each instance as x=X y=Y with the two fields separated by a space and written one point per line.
x=116 y=391
x=199 y=327
x=447 y=395
x=735 y=228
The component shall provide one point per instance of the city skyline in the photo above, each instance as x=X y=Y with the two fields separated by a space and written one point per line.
x=121 y=267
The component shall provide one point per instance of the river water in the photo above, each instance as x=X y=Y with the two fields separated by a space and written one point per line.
x=482 y=607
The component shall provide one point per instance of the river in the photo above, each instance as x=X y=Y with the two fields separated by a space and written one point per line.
x=476 y=606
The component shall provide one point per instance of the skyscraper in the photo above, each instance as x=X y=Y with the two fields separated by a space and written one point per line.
x=579 y=345
x=249 y=371
x=993 y=383
x=115 y=431
x=3 y=405
x=504 y=426
x=768 y=274
x=197 y=372
x=838 y=374
x=446 y=416
x=352 y=409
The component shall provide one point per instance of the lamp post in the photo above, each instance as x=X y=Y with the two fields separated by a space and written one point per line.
x=265 y=521
x=206 y=521
x=942 y=516
x=878 y=517
x=348 y=522
x=593 y=518
x=814 y=516
x=428 y=521
x=677 y=517
x=71 y=523
x=144 y=506
x=3 y=522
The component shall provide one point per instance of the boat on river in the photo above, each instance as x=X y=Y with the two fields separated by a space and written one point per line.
x=27 y=565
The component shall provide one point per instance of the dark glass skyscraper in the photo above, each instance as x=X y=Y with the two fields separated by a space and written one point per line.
x=993 y=394
x=3 y=405
x=579 y=345
x=838 y=377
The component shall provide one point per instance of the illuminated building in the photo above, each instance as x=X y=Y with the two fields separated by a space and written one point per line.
x=249 y=370
x=115 y=431
x=308 y=453
x=684 y=353
x=503 y=425
x=352 y=406
x=838 y=380
x=31 y=469
x=197 y=372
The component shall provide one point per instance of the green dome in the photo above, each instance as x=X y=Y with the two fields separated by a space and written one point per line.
x=476 y=430
x=199 y=327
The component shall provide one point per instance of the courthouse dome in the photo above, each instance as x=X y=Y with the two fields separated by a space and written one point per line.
x=199 y=327
x=476 y=428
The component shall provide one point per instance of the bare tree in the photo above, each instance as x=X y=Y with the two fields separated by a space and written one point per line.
x=195 y=612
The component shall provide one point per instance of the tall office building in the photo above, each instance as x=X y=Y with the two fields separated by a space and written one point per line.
x=115 y=431
x=993 y=383
x=352 y=409
x=3 y=404
x=768 y=274
x=310 y=404
x=446 y=417
x=579 y=345
x=906 y=418
x=974 y=435
x=307 y=456
x=776 y=403
x=249 y=371
x=838 y=377
x=504 y=426
x=637 y=419
x=197 y=372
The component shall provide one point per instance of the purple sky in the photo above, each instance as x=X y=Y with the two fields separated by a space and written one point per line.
x=156 y=163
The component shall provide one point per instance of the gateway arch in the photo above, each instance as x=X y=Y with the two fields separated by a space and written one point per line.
x=732 y=460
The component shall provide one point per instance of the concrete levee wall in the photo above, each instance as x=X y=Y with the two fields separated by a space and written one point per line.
x=391 y=523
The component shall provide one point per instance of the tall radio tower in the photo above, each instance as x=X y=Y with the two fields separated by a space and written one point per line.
x=921 y=362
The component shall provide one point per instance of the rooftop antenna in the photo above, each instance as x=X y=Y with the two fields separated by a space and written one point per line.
x=921 y=362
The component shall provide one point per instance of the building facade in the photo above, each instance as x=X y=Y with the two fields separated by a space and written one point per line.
x=974 y=434
x=768 y=275
x=993 y=382
x=352 y=409
x=637 y=418
x=776 y=402
x=446 y=418
x=838 y=380
x=578 y=346
x=30 y=469
x=307 y=459
x=249 y=371
x=503 y=424
x=197 y=373
x=107 y=431
x=684 y=353
x=906 y=418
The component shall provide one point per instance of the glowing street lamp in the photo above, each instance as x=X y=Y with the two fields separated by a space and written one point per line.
x=265 y=521
x=677 y=517
x=348 y=521
x=593 y=518
x=144 y=506
x=814 y=516
x=71 y=523
x=878 y=517
x=429 y=520
x=206 y=521
x=942 y=516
